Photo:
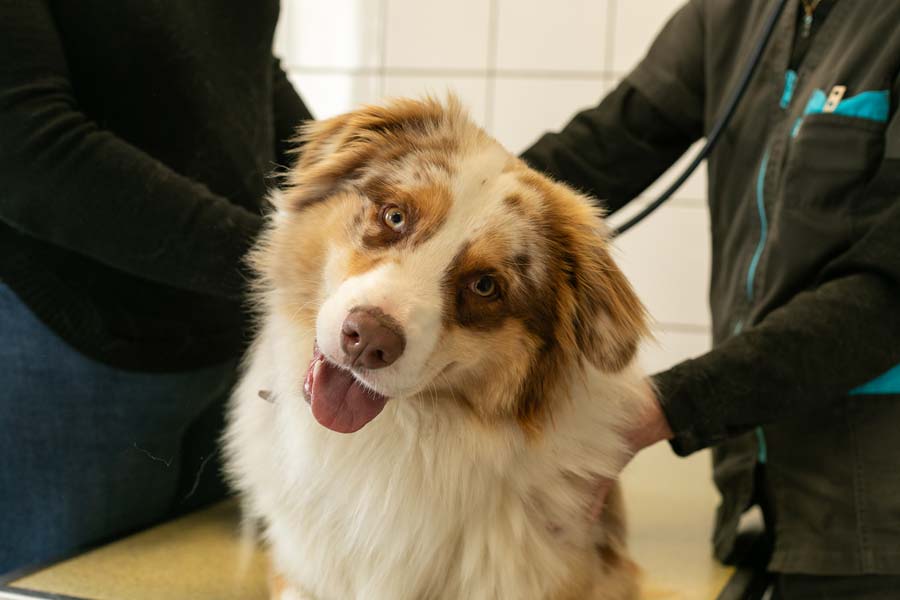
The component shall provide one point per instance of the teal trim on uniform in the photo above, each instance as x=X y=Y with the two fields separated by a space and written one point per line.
x=790 y=82
x=763 y=225
x=887 y=383
x=872 y=105
x=762 y=454
x=816 y=103
x=875 y=106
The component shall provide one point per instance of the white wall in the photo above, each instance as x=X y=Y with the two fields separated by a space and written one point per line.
x=523 y=67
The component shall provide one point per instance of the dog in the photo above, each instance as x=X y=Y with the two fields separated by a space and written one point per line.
x=444 y=366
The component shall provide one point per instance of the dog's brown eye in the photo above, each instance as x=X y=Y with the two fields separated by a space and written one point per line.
x=485 y=286
x=394 y=217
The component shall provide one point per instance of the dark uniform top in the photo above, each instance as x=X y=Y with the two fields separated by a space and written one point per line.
x=136 y=138
x=804 y=199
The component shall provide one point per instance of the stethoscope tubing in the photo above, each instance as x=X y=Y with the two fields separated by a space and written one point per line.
x=719 y=126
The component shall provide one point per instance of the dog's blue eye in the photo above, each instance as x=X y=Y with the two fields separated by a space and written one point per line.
x=394 y=217
x=484 y=286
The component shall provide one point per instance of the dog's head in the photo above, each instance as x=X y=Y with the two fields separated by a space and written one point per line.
x=430 y=262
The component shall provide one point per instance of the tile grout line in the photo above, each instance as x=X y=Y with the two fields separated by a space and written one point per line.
x=608 y=60
x=454 y=72
x=490 y=74
x=281 y=33
x=673 y=327
x=382 y=53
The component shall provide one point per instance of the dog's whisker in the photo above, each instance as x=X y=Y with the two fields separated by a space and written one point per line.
x=298 y=309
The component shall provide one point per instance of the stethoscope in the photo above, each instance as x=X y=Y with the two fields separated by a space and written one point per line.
x=721 y=123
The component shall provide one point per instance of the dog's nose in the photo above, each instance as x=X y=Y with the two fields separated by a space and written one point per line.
x=371 y=339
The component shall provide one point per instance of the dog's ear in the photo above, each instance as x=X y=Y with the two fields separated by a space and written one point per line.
x=333 y=152
x=316 y=174
x=608 y=320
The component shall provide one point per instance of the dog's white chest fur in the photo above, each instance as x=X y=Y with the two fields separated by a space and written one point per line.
x=424 y=502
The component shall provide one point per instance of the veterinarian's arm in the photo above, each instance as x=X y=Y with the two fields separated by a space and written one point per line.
x=289 y=111
x=615 y=150
x=66 y=181
x=812 y=351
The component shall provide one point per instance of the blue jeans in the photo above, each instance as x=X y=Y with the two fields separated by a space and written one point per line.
x=89 y=452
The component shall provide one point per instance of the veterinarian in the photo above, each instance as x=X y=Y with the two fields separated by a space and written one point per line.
x=134 y=149
x=800 y=397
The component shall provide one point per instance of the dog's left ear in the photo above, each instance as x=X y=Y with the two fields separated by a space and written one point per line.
x=609 y=320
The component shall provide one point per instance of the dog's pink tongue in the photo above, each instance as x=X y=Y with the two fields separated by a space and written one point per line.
x=339 y=402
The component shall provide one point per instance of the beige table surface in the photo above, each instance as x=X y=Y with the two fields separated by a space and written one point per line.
x=199 y=557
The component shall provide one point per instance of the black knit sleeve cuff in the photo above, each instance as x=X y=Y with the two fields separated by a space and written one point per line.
x=689 y=408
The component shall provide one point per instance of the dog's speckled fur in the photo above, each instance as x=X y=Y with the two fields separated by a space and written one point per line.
x=475 y=480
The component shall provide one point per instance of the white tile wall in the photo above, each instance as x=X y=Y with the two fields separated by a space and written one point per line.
x=333 y=33
x=636 y=24
x=524 y=108
x=330 y=94
x=673 y=345
x=437 y=34
x=522 y=67
x=472 y=91
x=552 y=35
x=667 y=259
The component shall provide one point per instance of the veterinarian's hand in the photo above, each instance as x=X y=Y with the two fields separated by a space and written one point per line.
x=651 y=427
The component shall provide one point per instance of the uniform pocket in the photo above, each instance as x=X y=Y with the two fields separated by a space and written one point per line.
x=830 y=159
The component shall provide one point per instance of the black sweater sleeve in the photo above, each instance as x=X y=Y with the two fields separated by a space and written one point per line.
x=617 y=149
x=66 y=181
x=819 y=346
x=612 y=151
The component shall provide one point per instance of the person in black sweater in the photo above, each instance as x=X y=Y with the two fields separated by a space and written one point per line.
x=135 y=146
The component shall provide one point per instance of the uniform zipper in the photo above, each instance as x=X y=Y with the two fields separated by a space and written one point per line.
x=763 y=225
x=790 y=84
x=762 y=454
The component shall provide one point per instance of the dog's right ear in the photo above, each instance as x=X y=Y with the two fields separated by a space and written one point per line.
x=320 y=166
x=334 y=151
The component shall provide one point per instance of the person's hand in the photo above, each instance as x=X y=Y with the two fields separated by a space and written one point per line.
x=650 y=427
